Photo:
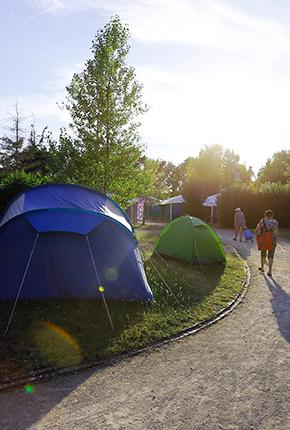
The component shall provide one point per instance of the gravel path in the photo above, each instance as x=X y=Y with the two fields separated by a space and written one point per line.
x=232 y=376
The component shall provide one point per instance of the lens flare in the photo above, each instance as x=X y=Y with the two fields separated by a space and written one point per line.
x=29 y=389
x=111 y=273
x=56 y=345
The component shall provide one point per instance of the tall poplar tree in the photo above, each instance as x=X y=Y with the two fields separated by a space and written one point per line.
x=105 y=101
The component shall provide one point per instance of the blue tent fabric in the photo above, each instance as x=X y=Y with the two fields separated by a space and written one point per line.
x=67 y=234
x=69 y=220
x=66 y=196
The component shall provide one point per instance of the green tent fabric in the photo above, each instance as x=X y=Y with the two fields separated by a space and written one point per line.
x=190 y=239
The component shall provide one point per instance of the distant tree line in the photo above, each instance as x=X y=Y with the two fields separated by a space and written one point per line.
x=218 y=171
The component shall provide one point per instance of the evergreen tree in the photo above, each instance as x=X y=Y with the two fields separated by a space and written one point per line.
x=11 y=145
x=34 y=157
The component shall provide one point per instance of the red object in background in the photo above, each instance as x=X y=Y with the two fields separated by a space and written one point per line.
x=140 y=210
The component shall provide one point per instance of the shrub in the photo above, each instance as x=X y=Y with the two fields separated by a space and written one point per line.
x=254 y=202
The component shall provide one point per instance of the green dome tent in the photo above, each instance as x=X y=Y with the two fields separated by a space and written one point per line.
x=190 y=239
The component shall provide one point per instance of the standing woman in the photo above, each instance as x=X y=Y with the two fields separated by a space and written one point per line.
x=268 y=224
x=239 y=223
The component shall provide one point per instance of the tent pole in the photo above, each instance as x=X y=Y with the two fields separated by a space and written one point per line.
x=99 y=282
x=21 y=285
x=93 y=261
x=197 y=255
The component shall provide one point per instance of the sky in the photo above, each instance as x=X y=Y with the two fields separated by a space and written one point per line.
x=213 y=71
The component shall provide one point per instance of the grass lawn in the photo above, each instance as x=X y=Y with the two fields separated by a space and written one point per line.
x=52 y=334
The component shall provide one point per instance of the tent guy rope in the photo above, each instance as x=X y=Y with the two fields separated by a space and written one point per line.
x=163 y=280
x=21 y=285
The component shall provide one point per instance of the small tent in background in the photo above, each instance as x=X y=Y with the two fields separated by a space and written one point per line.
x=172 y=207
x=192 y=240
x=65 y=241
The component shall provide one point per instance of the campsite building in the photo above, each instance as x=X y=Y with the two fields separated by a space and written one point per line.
x=172 y=208
x=143 y=208
x=151 y=209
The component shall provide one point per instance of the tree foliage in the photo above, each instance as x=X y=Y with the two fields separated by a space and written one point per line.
x=19 y=152
x=104 y=101
x=11 y=144
x=276 y=169
x=212 y=171
x=34 y=156
x=176 y=175
x=155 y=178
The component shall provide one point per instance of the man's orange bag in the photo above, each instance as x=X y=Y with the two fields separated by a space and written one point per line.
x=265 y=241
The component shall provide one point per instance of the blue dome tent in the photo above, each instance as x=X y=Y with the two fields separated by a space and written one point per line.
x=65 y=241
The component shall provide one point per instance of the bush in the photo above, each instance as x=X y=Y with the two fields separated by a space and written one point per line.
x=254 y=202
x=15 y=183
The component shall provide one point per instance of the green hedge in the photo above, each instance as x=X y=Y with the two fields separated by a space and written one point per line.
x=254 y=202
